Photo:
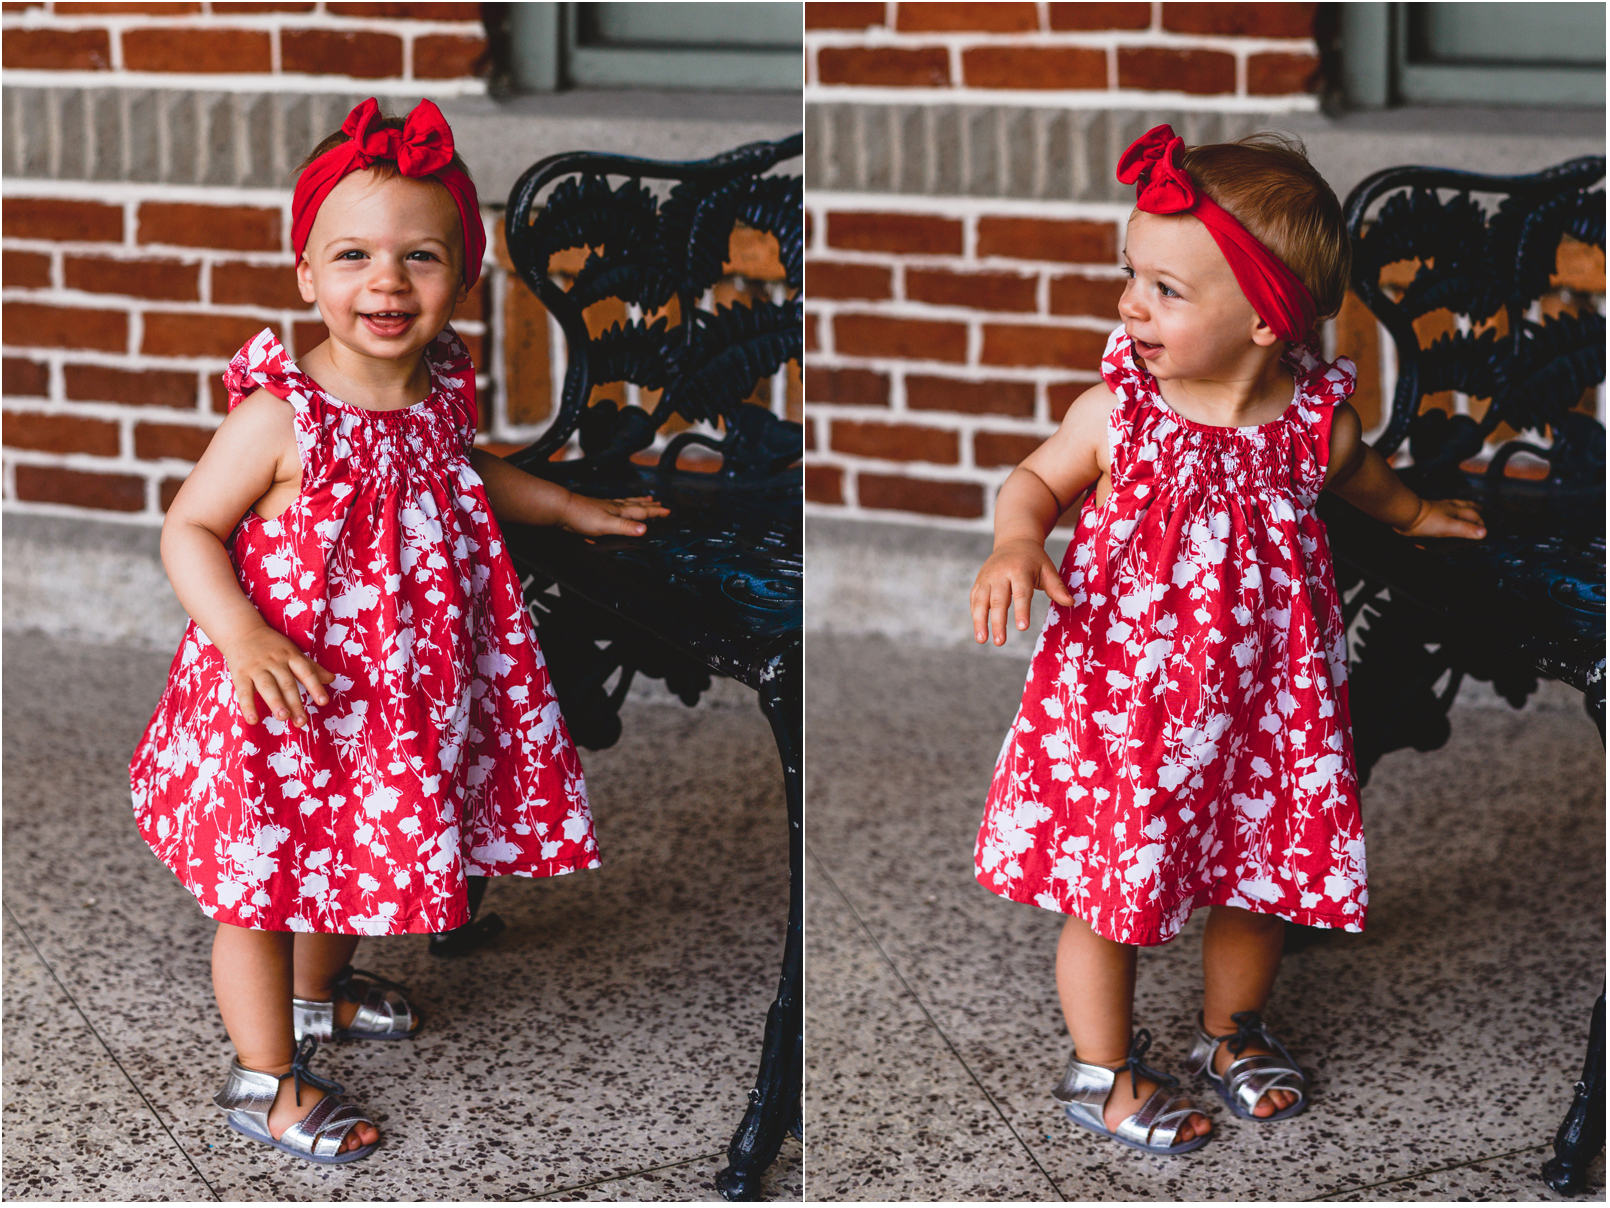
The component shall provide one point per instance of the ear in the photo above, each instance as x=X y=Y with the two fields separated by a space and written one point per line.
x=304 y=278
x=1263 y=335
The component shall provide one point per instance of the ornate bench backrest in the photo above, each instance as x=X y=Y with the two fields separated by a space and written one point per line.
x=1489 y=266
x=650 y=253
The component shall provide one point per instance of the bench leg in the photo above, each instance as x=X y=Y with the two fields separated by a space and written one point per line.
x=774 y=1103
x=1581 y=1134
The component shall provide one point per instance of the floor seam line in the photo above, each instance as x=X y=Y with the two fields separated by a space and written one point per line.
x=934 y=1023
x=632 y=1174
x=1424 y=1174
x=151 y=1107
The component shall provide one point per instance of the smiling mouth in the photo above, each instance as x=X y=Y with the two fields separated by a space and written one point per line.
x=1145 y=349
x=389 y=322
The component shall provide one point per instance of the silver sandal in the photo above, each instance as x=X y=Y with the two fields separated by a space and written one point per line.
x=1248 y=1079
x=249 y=1095
x=1083 y=1094
x=384 y=1012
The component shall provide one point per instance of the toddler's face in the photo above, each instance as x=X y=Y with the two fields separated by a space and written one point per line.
x=384 y=263
x=1182 y=307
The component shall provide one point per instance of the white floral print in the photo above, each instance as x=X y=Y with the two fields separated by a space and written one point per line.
x=1183 y=739
x=441 y=753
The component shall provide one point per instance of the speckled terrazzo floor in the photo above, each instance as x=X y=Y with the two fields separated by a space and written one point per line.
x=1442 y=1043
x=601 y=1048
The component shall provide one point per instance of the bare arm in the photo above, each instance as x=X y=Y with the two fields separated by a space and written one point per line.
x=1042 y=487
x=1362 y=476
x=252 y=454
x=526 y=499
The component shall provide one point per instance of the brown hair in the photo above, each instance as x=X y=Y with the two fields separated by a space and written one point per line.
x=382 y=167
x=1266 y=181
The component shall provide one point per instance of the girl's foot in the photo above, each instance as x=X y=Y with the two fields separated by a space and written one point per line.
x=379 y=1008
x=1271 y=1101
x=1124 y=1102
x=287 y=1112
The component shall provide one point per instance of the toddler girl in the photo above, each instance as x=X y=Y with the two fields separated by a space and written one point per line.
x=1183 y=739
x=336 y=549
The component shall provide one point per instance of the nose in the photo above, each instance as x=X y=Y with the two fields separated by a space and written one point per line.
x=1129 y=303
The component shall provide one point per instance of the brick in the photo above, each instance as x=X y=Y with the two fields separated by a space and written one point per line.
x=526 y=364
x=824 y=484
x=925 y=392
x=235 y=283
x=980 y=291
x=1034 y=67
x=446 y=56
x=1097 y=296
x=1241 y=20
x=200 y=50
x=1002 y=448
x=415 y=12
x=61 y=220
x=914 y=339
x=1280 y=75
x=473 y=308
x=999 y=18
x=813 y=341
x=184 y=224
x=183 y=441
x=897 y=493
x=1022 y=344
x=904 y=234
x=794 y=393
x=1161 y=69
x=858 y=387
x=30 y=324
x=168 y=488
x=884 y=66
x=821 y=15
x=217 y=395
x=25 y=270
x=896 y=442
x=197 y=335
x=1071 y=240
x=150 y=9
x=20 y=6
x=169 y=279
x=835 y=279
x=360 y=53
x=22 y=378
x=1358 y=336
x=1096 y=15
x=59 y=433
x=754 y=255
x=261 y=6
x=57 y=49
x=307 y=336
x=1061 y=396
x=136 y=387
x=81 y=488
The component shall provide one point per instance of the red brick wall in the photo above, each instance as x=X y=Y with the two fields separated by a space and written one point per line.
x=122 y=301
x=951 y=332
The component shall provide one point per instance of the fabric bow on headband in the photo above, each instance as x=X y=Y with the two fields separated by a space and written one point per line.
x=1277 y=295
x=423 y=147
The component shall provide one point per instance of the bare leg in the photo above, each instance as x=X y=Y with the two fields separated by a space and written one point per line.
x=1240 y=957
x=319 y=960
x=252 y=978
x=1096 y=982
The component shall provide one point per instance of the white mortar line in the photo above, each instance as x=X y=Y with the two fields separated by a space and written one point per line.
x=283 y=81
x=1095 y=98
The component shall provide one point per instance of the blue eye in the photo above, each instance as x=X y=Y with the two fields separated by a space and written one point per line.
x=426 y=255
x=1166 y=292
x=350 y=253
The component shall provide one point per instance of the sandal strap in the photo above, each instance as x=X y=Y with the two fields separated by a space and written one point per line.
x=1159 y=1119
x=322 y=1131
x=383 y=1006
x=1249 y=1079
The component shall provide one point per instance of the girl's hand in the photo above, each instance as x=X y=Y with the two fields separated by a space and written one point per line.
x=264 y=662
x=606 y=517
x=1007 y=581
x=1446 y=518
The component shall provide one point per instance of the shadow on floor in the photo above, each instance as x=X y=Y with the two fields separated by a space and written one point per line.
x=1442 y=1043
x=601 y=1048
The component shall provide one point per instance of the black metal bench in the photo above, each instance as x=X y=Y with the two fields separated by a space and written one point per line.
x=716 y=586
x=1529 y=600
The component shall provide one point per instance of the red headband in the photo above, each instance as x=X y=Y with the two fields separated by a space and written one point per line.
x=423 y=147
x=1163 y=187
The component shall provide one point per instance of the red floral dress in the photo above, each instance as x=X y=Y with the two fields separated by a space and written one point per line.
x=441 y=753
x=1183 y=739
